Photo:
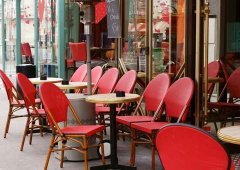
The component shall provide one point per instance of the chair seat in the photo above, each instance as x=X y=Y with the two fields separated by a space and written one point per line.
x=88 y=130
x=41 y=112
x=70 y=63
x=38 y=100
x=222 y=104
x=127 y=120
x=148 y=127
x=21 y=103
x=102 y=110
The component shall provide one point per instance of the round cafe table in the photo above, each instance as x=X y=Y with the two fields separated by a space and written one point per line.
x=230 y=134
x=72 y=85
x=37 y=80
x=112 y=100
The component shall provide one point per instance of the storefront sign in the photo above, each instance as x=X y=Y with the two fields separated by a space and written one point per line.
x=113 y=19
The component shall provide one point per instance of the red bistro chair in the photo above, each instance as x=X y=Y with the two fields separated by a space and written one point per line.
x=107 y=82
x=183 y=147
x=96 y=74
x=56 y=105
x=152 y=96
x=15 y=99
x=79 y=74
x=126 y=83
x=26 y=52
x=176 y=103
x=213 y=71
x=78 y=51
x=33 y=114
x=229 y=110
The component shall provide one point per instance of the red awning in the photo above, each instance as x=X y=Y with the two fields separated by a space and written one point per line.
x=100 y=11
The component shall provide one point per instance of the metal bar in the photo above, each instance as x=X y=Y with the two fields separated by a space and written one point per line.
x=36 y=35
x=18 y=32
x=61 y=39
x=206 y=31
x=3 y=38
x=89 y=76
x=150 y=30
x=197 y=63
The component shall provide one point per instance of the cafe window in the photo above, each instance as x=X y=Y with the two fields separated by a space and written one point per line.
x=168 y=34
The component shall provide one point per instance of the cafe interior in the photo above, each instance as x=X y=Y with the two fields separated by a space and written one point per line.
x=120 y=84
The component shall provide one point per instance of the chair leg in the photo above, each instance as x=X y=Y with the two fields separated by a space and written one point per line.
x=8 y=121
x=49 y=152
x=85 y=153
x=153 y=157
x=31 y=129
x=133 y=147
x=41 y=126
x=102 y=147
x=62 y=154
x=25 y=132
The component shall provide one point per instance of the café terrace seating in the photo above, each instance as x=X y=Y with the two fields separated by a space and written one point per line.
x=151 y=126
x=152 y=96
x=176 y=105
x=15 y=99
x=125 y=84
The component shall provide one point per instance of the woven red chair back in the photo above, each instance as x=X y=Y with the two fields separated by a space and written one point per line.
x=127 y=82
x=80 y=73
x=178 y=97
x=108 y=81
x=185 y=147
x=78 y=51
x=55 y=103
x=28 y=89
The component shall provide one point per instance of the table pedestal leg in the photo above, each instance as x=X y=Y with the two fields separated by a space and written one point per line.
x=113 y=141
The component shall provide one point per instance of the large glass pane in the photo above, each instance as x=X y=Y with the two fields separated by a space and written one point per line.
x=10 y=27
x=47 y=40
x=168 y=35
x=133 y=55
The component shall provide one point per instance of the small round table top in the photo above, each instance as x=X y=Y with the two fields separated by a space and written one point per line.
x=72 y=85
x=230 y=134
x=110 y=98
x=49 y=79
